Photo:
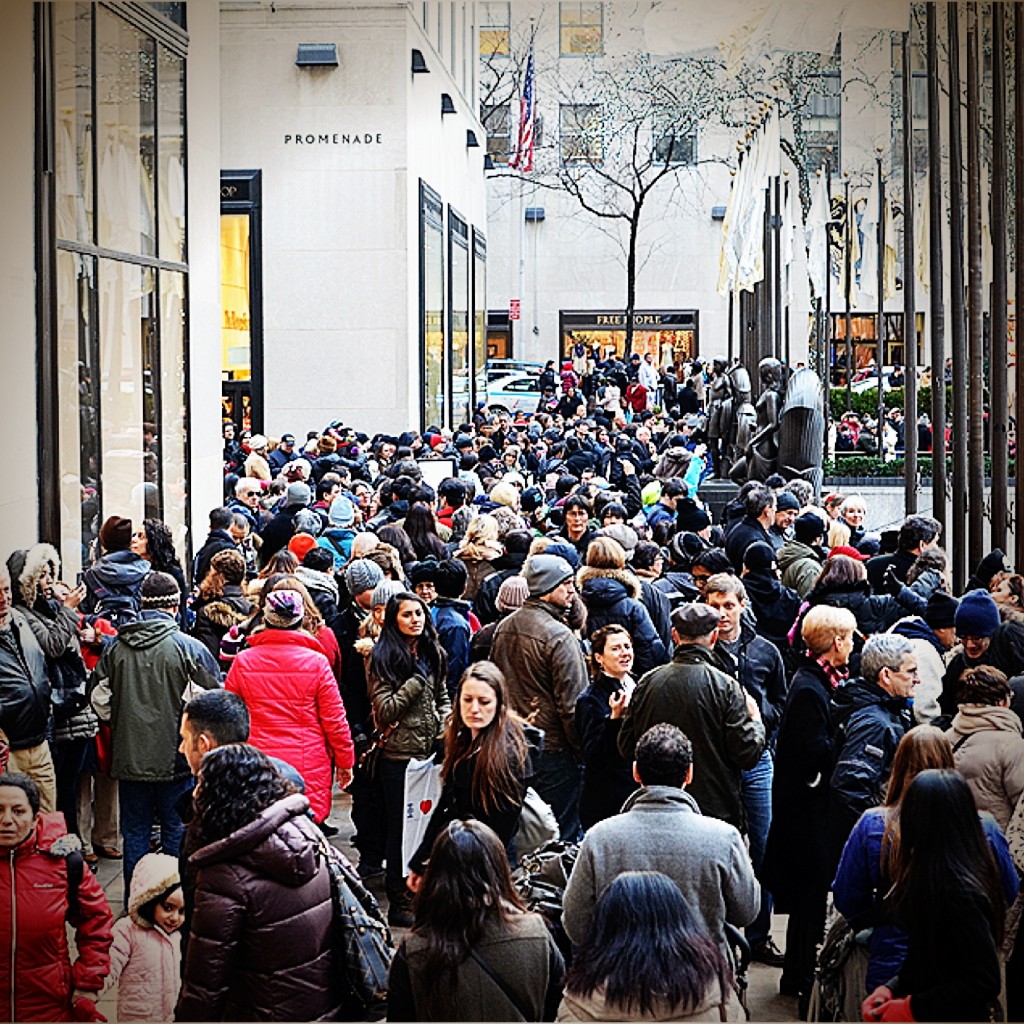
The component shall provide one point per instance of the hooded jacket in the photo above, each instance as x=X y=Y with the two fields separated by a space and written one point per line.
x=24 y=685
x=145 y=962
x=33 y=910
x=451 y=619
x=545 y=670
x=216 y=616
x=613 y=595
x=261 y=944
x=139 y=686
x=989 y=753
x=931 y=666
x=800 y=566
x=112 y=586
x=869 y=724
x=775 y=606
x=746 y=532
x=295 y=709
x=694 y=693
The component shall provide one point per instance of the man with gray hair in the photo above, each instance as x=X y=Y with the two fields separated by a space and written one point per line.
x=871 y=715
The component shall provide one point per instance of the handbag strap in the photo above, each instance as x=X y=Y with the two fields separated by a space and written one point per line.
x=506 y=991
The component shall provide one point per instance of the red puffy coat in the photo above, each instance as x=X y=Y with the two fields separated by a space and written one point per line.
x=33 y=905
x=295 y=708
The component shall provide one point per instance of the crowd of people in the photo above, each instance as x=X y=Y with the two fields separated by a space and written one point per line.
x=766 y=708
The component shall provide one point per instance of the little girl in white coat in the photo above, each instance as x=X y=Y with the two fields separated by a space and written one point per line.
x=146 y=953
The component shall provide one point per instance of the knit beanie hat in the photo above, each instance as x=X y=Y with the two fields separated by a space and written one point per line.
x=978 y=614
x=300 y=544
x=941 y=610
x=545 y=572
x=422 y=572
x=808 y=528
x=342 y=512
x=786 y=501
x=625 y=535
x=116 y=534
x=362 y=575
x=384 y=591
x=159 y=590
x=512 y=594
x=283 y=609
x=759 y=556
x=298 y=493
x=563 y=549
x=690 y=517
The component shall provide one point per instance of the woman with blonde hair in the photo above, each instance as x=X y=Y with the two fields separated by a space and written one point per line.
x=479 y=549
x=866 y=870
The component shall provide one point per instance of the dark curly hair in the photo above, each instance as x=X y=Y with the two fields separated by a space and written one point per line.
x=236 y=784
x=160 y=545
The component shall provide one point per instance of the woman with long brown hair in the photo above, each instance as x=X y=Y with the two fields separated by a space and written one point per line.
x=867 y=868
x=486 y=763
x=474 y=953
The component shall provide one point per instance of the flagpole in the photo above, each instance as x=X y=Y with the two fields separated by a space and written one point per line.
x=826 y=359
x=910 y=483
x=880 y=284
x=847 y=282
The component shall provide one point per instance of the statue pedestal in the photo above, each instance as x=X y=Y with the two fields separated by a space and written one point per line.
x=716 y=494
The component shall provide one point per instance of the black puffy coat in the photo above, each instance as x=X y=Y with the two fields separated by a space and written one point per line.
x=613 y=595
x=876 y=613
x=24 y=686
x=775 y=607
x=261 y=943
x=758 y=667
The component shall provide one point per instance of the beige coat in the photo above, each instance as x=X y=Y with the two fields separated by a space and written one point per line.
x=594 y=1007
x=990 y=757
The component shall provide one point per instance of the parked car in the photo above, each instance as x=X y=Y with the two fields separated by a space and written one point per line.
x=513 y=392
x=497 y=368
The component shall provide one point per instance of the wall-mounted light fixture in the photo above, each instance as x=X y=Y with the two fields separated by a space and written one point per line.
x=447 y=104
x=471 y=142
x=534 y=213
x=419 y=65
x=317 y=55
x=718 y=213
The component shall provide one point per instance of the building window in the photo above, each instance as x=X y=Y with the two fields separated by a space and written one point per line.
x=919 y=107
x=580 y=133
x=580 y=28
x=459 y=312
x=118 y=337
x=497 y=120
x=495 y=25
x=675 y=145
x=432 y=307
x=821 y=118
x=479 y=315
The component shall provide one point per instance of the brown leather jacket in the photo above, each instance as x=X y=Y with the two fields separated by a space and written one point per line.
x=545 y=670
x=260 y=944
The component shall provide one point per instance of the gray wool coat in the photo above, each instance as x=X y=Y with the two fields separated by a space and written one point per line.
x=661 y=828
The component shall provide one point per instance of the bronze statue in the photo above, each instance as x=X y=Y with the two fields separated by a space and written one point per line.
x=720 y=415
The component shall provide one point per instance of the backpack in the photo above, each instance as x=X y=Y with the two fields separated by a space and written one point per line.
x=118 y=609
x=541 y=879
x=363 y=947
x=841 y=975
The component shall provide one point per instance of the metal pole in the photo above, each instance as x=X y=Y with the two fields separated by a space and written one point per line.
x=998 y=440
x=777 y=281
x=1018 y=283
x=975 y=304
x=826 y=336
x=958 y=548
x=786 y=324
x=732 y=321
x=880 y=285
x=765 y=343
x=909 y=298
x=937 y=309
x=851 y=226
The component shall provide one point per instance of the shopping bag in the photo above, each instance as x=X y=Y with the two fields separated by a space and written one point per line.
x=422 y=793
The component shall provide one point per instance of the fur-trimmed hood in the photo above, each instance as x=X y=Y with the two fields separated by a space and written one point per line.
x=224 y=615
x=27 y=567
x=623 y=576
x=154 y=874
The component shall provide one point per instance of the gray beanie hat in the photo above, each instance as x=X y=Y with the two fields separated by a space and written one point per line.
x=512 y=594
x=362 y=575
x=545 y=572
x=298 y=493
x=384 y=591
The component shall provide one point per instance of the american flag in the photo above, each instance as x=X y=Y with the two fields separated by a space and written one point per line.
x=522 y=158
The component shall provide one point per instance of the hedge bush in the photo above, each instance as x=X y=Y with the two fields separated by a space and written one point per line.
x=872 y=466
x=865 y=403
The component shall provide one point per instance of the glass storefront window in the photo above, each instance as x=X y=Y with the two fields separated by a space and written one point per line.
x=432 y=306
x=236 y=322
x=458 y=254
x=480 y=314
x=669 y=337
x=125 y=111
x=72 y=42
x=171 y=441
x=171 y=169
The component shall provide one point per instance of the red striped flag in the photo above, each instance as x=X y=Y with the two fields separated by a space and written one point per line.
x=522 y=158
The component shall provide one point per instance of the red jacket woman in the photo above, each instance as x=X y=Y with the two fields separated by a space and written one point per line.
x=38 y=980
x=293 y=700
